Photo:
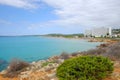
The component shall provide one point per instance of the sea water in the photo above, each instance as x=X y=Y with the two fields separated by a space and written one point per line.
x=32 y=48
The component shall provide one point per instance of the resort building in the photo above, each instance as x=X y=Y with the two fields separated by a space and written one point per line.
x=116 y=32
x=99 y=32
x=88 y=33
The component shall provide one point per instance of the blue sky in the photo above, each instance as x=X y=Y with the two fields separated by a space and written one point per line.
x=31 y=17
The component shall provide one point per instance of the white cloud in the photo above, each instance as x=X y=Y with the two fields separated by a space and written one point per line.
x=27 y=4
x=84 y=13
x=89 y=13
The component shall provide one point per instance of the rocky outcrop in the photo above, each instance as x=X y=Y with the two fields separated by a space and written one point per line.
x=102 y=40
x=42 y=70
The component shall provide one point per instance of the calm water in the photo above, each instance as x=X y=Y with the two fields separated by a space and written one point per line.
x=35 y=48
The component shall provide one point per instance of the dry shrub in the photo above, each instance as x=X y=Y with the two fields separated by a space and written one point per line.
x=104 y=45
x=98 y=51
x=113 y=51
x=110 y=50
x=15 y=67
x=75 y=53
x=64 y=56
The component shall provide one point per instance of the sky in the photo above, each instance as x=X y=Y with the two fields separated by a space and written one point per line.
x=34 y=17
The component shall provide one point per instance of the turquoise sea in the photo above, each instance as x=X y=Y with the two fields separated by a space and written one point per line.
x=32 y=48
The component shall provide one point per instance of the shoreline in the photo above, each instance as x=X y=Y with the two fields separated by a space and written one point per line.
x=55 y=54
x=60 y=53
x=87 y=39
x=46 y=69
x=63 y=38
x=109 y=40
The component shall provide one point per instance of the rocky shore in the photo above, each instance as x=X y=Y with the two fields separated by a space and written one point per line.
x=109 y=40
x=40 y=70
x=46 y=69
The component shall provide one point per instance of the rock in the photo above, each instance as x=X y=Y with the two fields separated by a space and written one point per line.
x=116 y=64
x=61 y=60
x=116 y=75
x=28 y=68
x=52 y=75
x=3 y=72
x=33 y=62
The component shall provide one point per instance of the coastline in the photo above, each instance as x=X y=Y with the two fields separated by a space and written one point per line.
x=64 y=38
x=108 y=40
x=58 y=38
x=47 y=68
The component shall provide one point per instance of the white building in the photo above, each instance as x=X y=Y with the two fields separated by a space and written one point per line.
x=88 y=32
x=99 y=32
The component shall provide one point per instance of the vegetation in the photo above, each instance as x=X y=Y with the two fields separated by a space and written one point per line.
x=116 y=31
x=64 y=56
x=85 y=68
x=113 y=51
x=15 y=67
x=46 y=63
x=98 y=51
x=66 y=35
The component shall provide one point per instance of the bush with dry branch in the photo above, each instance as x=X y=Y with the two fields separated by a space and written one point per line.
x=15 y=67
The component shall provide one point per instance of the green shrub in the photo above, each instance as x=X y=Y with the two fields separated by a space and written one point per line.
x=46 y=63
x=85 y=68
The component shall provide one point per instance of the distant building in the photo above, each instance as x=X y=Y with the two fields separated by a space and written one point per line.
x=99 y=32
x=116 y=32
x=88 y=33
x=110 y=31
